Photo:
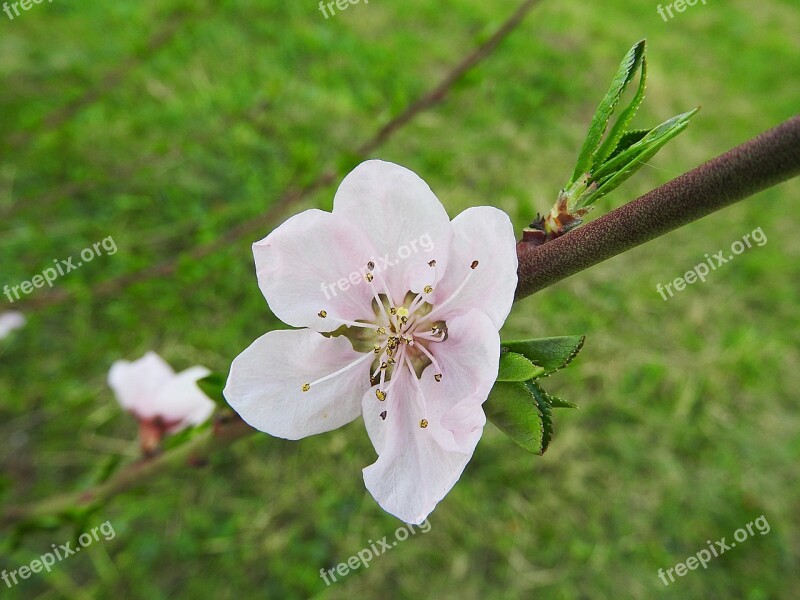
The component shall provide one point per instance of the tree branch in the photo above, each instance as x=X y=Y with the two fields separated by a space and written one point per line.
x=764 y=161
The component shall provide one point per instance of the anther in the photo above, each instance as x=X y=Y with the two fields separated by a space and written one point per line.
x=474 y=264
x=384 y=365
x=438 y=377
x=376 y=349
x=432 y=263
x=369 y=276
x=322 y=314
x=424 y=423
x=370 y=266
x=381 y=395
x=383 y=415
x=306 y=387
x=427 y=289
x=382 y=330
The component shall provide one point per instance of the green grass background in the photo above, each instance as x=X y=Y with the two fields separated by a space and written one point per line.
x=688 y=427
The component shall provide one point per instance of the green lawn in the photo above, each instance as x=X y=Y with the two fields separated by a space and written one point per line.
x=164 y=125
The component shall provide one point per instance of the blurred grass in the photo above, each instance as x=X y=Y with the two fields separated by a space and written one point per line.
x=688 y=427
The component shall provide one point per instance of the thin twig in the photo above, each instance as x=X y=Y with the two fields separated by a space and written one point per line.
x=294 y=195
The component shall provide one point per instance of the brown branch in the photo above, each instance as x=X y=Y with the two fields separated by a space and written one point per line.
x=764 y=161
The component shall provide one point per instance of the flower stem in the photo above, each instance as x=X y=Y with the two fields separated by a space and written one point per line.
x=764 y=161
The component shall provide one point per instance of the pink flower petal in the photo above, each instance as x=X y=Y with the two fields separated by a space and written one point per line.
x=404 y=220
x=10 y=321
x=315 y=261
x=484 y=234
x=137 y=383
x=418 y=466
x=266 y=381
x=182 y=401
x=414 y=471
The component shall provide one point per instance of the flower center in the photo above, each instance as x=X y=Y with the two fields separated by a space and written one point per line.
x=400 y=335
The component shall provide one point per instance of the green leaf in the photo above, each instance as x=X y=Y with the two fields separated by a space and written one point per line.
x=625 y=118
x=512 y=408
x=630 y=160
x=628 y=139
x=551 y=354
x=557 y=402
x=212 y=386
x=545 y=412
x=625 y=73
x=515 y=367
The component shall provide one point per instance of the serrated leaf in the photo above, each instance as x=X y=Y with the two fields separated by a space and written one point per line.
x=512 y=408
x=515 y=367
x=212 y=386
x=557 y=402
x=628 y=139
x=551 y=353
x=625 y=73
x=625 y=118
x=545 y=412
x=618 y=169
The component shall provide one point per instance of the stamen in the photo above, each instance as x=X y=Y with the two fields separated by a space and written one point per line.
x=356 y=324
x=375 y=292
x=433 y=361
x=430 y=336
x=421 y=394
x=456 y=293
x=358 y=361
x=392 y=361
x=385 y=289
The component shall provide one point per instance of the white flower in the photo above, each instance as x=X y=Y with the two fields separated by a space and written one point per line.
x=164 y=402
x=413 y=345
x=10 y=321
